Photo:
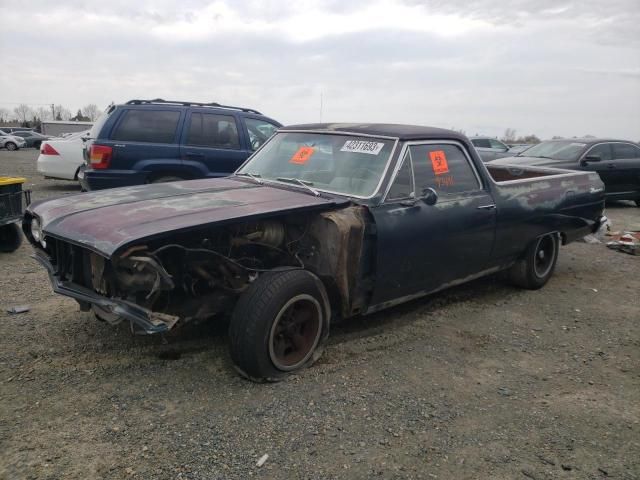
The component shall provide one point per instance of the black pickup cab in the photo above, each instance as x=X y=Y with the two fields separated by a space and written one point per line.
x=322 y=223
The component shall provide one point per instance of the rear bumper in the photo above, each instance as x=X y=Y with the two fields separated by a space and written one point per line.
x=140 y=317
x=102 y=179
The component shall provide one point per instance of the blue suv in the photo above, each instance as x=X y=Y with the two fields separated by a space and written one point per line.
x=149 y=141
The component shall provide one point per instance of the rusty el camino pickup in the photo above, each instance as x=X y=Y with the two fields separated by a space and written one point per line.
x=324 y=222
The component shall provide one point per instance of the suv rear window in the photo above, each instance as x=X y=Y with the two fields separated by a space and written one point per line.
x=153 y=126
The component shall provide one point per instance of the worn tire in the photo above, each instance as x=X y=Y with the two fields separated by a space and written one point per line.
x=260 y=313
x=11 y=146
x=534 y=269
x=166 y=178
x=10 y=238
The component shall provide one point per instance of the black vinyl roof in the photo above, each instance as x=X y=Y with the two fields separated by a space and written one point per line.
x=403 y=132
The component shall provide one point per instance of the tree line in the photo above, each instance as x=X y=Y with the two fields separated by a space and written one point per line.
x=33 y=117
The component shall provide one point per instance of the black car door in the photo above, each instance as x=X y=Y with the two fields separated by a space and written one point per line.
x=421 y=247
x=626 y=165
x=599 y=158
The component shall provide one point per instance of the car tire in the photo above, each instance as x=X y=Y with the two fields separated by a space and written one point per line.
x=536 y=267
x=10 y=238
x=637 y=203
x=167 y=178
x=279 y=325
x=11 y=146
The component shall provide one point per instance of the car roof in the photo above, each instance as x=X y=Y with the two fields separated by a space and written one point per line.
x=396 y=130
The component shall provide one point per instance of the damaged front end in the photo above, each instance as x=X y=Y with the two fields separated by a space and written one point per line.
x=159 y=285
x=191 y=276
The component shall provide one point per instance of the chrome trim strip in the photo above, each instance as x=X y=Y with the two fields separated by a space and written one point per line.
x=549 y=170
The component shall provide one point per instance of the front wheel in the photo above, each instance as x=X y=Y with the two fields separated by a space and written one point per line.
x=10 y=238
x=279 y=325
x=534 y=270
x=10 y=146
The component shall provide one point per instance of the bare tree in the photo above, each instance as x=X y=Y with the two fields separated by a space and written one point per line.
x=4 y=115
x=509 y=135
x=91 y=111
x=23 y=112
x=62 y=113
x=43 y=113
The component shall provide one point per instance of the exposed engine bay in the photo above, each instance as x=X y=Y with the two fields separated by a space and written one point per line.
x=193 y=276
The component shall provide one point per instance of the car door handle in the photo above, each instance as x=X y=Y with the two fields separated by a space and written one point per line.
x=486 y=207
x=611 y=166
x=195 y=155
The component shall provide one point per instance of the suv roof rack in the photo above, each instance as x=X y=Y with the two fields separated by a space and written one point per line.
x=188 y=104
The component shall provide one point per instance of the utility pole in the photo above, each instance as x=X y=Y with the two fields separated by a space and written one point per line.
x=53 y=112
x=320 y=106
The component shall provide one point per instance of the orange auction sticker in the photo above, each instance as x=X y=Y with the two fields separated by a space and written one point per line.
x=439 y=162
x=302 y=155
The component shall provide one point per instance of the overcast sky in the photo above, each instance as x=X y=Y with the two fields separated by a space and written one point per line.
x=549 y=67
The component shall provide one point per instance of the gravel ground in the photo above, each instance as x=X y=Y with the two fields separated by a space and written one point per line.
x=481 y=381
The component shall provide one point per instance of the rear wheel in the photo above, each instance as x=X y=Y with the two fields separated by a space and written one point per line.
x=279 y=324
x=10 y=238
x=534 y=270
x=637 y=203
x=10 y=146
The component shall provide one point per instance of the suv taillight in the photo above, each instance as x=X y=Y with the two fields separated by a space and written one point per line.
x=100 y=156
x=46 y=149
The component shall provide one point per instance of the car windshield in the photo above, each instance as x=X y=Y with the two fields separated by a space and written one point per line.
x=345 y=164
x=556 y=150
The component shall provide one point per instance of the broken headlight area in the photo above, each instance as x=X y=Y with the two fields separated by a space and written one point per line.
x=194 y=278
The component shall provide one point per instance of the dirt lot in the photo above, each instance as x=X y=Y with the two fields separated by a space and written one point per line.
x=483 y=381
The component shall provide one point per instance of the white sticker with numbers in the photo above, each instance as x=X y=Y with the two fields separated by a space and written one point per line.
x=361 y=146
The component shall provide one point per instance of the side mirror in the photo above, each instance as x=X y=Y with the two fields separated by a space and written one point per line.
x=592 y=158
x=429 y=196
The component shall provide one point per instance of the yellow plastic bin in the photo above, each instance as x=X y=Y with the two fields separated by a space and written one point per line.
x=13 y=199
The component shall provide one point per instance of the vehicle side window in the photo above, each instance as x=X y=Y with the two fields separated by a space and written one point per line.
x=211 y=130
x=602 y=150
x=443 y=167
x=258 y=131
x=402 y=186
x=481 y=143
x=154 y=126
x=497 y=144
x=625 y=150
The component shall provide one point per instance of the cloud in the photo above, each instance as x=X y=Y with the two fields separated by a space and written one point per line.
x=544 y=67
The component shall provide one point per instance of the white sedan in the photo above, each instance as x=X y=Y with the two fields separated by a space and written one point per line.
x=62 y=157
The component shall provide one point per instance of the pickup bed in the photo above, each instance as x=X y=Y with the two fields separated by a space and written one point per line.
x=323 y=222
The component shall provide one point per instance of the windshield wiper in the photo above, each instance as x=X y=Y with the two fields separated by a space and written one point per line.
x=252 y=176
x=304 y=183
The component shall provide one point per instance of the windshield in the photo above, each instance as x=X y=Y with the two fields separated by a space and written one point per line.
x=345 y=164
x=563 y=150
